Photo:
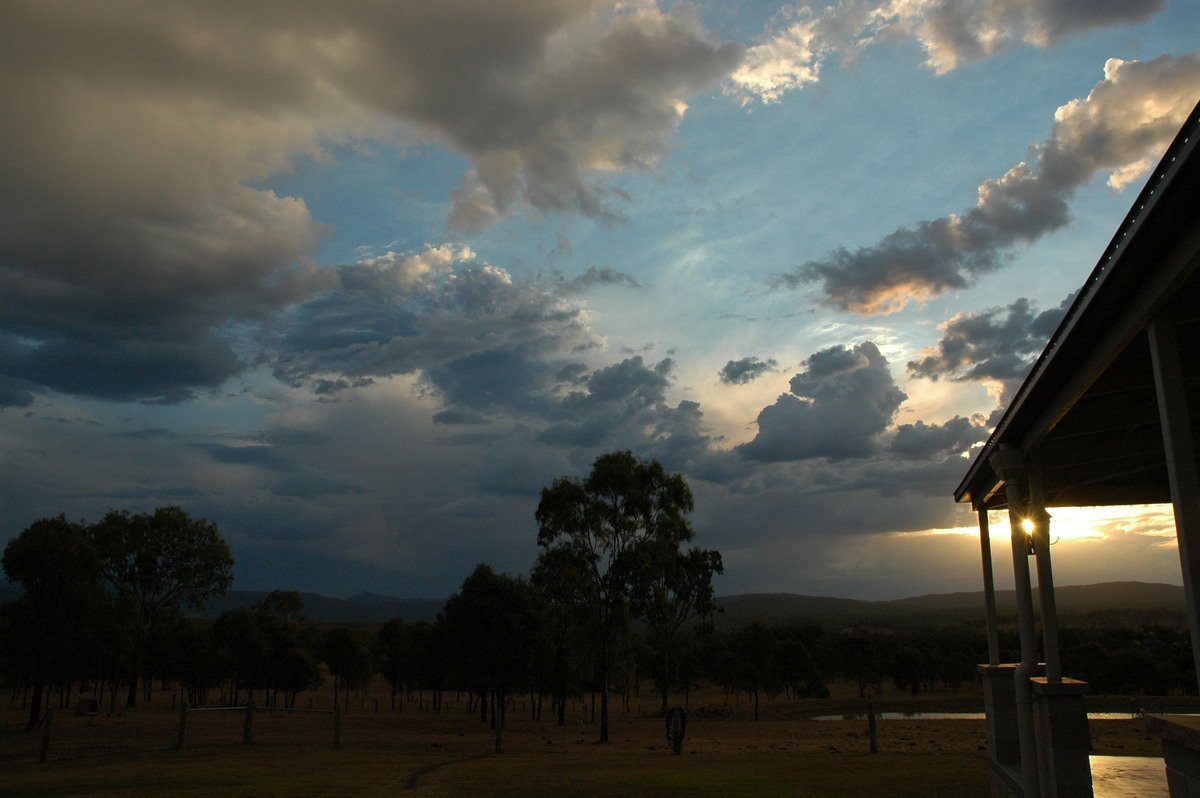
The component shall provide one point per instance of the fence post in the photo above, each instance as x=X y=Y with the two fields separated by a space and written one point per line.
x=183 y=717
x=47 y=721
x=248 y=731
x=871 y=727
x=337 y=726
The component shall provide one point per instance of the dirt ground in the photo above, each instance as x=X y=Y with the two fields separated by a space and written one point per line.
x=716 y=724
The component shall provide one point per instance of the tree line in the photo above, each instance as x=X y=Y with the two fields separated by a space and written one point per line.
x=614 y=600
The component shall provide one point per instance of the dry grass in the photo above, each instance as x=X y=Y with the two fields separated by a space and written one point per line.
x=417 y=753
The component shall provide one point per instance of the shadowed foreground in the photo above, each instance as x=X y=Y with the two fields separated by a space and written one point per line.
x=268 y=770
x=447 y=754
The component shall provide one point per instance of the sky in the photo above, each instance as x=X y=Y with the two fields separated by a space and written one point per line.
x=357 y=280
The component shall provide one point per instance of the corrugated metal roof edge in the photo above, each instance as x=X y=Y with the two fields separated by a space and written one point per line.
x=1183 y=146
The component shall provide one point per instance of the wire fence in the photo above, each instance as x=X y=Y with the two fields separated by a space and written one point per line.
x=63 y=734
x=270 y=722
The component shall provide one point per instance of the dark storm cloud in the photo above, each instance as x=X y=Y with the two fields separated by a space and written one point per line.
x=531 y=140
x=619 y=406
x=1121 y=127
x=255 y=454
x=15 y=392
x=746 y=370
x=134 y=234
x=487 y=348
x=294 y=474
x=480 y=342
x=838 y=407
x=148 y=495
x=593 y=278
x=921 y=441
x=616 y=402
x=999 y=344
x=457 y=416
x=165 y=365
x=148 y=434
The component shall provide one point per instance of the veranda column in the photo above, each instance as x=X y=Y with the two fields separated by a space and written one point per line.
x=1041 y=548
x=998 y=682
x=1063 y=736
x=989 y=588
x=1009 y=465
x=1180 y=447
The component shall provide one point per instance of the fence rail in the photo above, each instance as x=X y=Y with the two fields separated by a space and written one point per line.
x=248 y=726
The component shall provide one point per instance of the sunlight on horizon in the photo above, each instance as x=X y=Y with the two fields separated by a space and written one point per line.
x=1085 y=523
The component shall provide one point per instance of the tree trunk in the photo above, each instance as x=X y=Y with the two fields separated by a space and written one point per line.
x=135 y=664
x=35 y=702
x=131 y=698
x=498 y=717
x=561 y=694
x=666 y=678
x=604 y=694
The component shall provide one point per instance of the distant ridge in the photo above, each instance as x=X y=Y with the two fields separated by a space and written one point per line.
x=1137 y=602
x=1111 y=603
x=1105 y=594
x=363 y=608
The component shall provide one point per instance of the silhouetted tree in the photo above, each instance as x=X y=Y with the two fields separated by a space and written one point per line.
x=613 y=530
x=292 y=640
x=192 y=657
x=393 y=654
x=492 y=626
x=246 y=652
x=430 y=660
x=348 y=659
x=159 y=562
x=797 y=668
x=861 y=661
x=909 y=669
x=681 y=590
x=755 y=649
x=564 y=593
x=58 y=566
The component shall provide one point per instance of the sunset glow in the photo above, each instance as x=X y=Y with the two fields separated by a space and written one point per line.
x=356 y=282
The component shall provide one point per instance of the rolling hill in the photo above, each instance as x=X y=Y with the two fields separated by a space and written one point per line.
x=1106 y=603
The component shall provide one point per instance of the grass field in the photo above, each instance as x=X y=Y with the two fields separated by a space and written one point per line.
x=420 y=753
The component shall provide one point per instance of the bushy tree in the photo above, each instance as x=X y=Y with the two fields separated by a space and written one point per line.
x=291 y=639
x=682 y=589
x=491 y=623
x=349 y=661
x=159 y=562
x=394 y=655
x=60 y=570
x=245 y=651
x=615 y=531
x=755 y=647
x=563 y=596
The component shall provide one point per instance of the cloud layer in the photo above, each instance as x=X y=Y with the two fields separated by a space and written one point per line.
x=1121 y=127
x=506 y=296
x=997 y=345
x=133 y=228
x=838 y=407
x=952 y=33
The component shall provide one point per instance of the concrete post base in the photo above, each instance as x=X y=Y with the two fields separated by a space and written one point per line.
x=1064 y=740
x=1181 y=751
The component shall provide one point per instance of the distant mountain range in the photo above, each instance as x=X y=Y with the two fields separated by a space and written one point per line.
x=363 y=608
x=1109 y=603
